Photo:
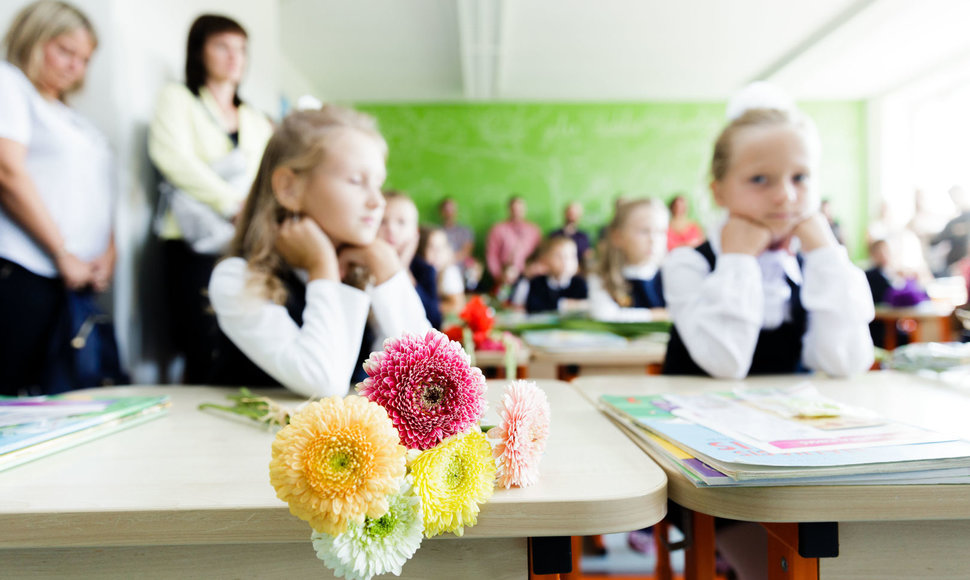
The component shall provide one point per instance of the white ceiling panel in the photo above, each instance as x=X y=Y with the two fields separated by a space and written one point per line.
x=616 y=50
x=375 y=50
x=889 y=44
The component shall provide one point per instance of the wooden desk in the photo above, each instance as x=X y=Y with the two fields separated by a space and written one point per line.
x=933 y=322
x=885 y=532
x=637 y=357
x=495 y=359
x=188 y=495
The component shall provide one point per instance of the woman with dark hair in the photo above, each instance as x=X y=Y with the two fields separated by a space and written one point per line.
x=206 y=143
x=56 y=196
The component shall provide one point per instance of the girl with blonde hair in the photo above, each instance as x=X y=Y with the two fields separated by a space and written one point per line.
x=771 y=291
x=306 y=269
x=626 y=286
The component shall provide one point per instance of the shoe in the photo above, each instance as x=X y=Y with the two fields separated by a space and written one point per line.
x=641 y=541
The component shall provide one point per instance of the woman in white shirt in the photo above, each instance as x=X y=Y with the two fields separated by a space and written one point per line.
x=206 y=143
x=56 y=190
x=307 y=276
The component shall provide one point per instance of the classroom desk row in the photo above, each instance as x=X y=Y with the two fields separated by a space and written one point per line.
x=187 y=495
x=640 y=356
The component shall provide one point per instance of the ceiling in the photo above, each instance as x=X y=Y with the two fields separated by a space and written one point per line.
x=617 y=50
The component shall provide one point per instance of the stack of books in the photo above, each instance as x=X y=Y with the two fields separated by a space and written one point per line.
x=792 y=436
x=33 y=427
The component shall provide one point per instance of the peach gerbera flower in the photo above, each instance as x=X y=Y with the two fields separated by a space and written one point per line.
x=521 y=434
x=337 y=462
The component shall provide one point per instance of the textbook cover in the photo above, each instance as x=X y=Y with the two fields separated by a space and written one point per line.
x=32 y=427
x=855 y=444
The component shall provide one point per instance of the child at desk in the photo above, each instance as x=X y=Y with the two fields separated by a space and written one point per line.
x=310 y=221
x=560 y=288
x=743 y=303
x=399 y=227
x=627 y=285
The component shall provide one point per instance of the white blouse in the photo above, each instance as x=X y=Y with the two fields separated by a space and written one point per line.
x=719 y=314
x=70 y=163
x=317 y=359
x=603 y=307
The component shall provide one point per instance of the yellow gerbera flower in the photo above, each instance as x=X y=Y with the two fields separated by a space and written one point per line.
x=336 y=462
x=452 y=479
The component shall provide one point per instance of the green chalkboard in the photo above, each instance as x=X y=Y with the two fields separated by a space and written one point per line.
x=551 y=154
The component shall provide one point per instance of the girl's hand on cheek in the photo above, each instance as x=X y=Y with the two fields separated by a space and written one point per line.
x=378 y=257
x=302 y=244
x=744 y=236
x=814 y=232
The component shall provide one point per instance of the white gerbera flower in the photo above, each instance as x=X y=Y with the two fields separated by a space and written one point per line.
x=377 y=546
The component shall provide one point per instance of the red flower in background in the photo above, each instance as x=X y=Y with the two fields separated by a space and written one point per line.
x=479 y=318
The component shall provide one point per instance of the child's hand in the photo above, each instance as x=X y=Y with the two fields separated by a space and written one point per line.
x=379 y=258
x=304 y=245
x=814 y=232
x=744 y=236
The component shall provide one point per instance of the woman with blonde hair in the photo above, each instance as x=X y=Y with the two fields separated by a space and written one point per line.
x=56 y=194
x=307 y=276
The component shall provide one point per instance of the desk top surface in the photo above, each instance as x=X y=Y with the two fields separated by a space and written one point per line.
x=928 y=402
x=195 y=477
x=924 y=310
x=639 y=351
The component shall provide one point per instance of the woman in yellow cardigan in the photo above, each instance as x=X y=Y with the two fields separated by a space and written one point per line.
x=207 y=144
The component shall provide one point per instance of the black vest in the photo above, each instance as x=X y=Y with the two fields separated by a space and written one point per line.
x=778 y=351
x=231 y=367
x=542 y=298
x=647 y=293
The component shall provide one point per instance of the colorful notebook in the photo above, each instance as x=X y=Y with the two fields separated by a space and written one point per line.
x=33 y=427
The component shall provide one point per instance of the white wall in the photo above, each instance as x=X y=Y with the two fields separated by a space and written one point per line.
x=142 y=47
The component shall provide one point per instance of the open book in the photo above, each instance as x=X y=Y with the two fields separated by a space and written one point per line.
x=785 y=437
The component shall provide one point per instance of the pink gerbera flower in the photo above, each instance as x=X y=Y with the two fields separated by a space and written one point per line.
x=521 y=434
x=428 y=387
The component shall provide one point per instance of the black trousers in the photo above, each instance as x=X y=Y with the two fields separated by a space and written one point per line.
x=194 y=329
x=31 y=308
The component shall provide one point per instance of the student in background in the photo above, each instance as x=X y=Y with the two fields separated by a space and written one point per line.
x=560 y=288
x=399 y=228
x=510 y=243
x=826 y=208
x=206 y=143
x=434 y=248
x=742 y=303
x=682 y=231
x=462 y=242
x=891 y=286
x=627 y=285
x=310 y=221
x=570 y=228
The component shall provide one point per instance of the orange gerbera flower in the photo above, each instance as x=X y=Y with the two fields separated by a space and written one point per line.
x=336 y=462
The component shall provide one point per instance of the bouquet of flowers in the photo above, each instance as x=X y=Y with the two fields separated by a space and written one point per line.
x=406 y=458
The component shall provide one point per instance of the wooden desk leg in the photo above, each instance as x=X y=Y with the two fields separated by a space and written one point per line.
x=784 y=563
x=699 y=556
x=917 y=334
x=661 y=540
x=890 y=335
x=558 y=560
